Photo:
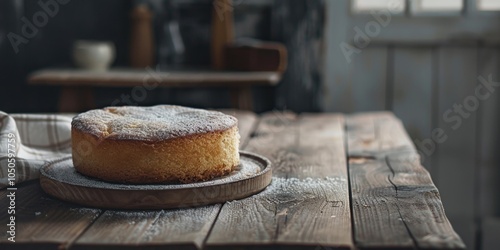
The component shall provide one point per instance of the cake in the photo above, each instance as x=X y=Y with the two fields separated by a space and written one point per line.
x=155 y=144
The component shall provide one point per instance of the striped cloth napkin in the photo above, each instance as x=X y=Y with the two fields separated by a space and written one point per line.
x=28 y=141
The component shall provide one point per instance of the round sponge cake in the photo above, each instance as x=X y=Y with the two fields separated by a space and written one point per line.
x=154 y=144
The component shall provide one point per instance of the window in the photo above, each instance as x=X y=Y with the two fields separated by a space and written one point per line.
x=488 y=5
x=366 y=6
x=441 y=5
x=423 y=7
x=433 y=22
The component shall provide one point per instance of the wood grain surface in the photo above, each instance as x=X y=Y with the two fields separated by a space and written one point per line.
x=307 y=204
x=150 y=78
x=165 y=229
x=43 y=222
x=174 y=229
x=395 y=202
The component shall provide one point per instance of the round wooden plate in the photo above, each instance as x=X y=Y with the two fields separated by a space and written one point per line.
x=60 y=179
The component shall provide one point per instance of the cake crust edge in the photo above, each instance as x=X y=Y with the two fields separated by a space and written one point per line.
x=181 y=159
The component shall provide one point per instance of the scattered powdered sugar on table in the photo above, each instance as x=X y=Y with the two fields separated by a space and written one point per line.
x=152 y=231
x=282 y=190
x=85 y=210
x=131 y=217
x=292 y=184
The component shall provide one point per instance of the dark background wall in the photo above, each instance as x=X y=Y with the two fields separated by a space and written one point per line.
x=51 y=46
x=299 y=28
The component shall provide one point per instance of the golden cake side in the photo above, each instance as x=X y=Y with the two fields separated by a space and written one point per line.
x=201 y=154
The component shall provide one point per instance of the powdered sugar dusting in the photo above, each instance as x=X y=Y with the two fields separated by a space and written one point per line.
x=154 y=123
x=292 y=184
x=295 y=190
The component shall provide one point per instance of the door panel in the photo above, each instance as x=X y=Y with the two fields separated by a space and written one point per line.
x=456 y=161
x=489 y=136
x=412 y=98
x=369 y=80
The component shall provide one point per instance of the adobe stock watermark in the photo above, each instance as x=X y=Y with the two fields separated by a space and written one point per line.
x=11 y=188
x=363 y=36
x=456 y=115
x=40 y=19
x=139 y=93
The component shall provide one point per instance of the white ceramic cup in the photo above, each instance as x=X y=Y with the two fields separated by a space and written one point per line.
x=93 y=55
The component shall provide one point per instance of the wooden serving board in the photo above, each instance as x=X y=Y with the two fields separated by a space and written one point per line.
x=61 y=180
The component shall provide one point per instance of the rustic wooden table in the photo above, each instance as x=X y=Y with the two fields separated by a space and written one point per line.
x=340 y=182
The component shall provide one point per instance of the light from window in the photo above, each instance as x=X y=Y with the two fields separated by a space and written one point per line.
x=366 y=6
x=439 y=5
x=488 y=4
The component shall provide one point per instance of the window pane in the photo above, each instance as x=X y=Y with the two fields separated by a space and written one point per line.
x=488 y=4
x=395 y=6
x=439 y=5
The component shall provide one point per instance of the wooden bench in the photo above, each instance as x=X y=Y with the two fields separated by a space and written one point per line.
x=77 y=85
x=340 y=182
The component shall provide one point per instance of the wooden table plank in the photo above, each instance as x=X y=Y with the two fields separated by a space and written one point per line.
x=114 y=226
x=176 y=229
x=307 y=204
x=150 y=78
x=395 y=202
x=43 y=222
